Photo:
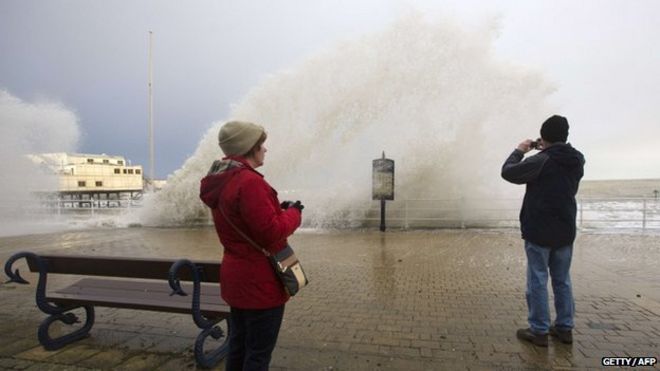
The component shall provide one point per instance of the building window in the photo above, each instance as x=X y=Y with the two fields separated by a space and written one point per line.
x=138 y=171
x=120 y=162
x=82 y=183
x=90 y=160
x=106 y=161
x=99 y=183
x=117 y=171
x=130 y=171
x=125 y=172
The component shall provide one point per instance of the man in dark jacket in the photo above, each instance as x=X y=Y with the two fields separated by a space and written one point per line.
x=547 y=222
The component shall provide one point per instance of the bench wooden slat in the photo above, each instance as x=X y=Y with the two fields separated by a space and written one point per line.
x=209 y=292
x=108 y=266
x=130 y=284
x=139 y=295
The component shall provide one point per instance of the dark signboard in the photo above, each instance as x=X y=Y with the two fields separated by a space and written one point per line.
x=383 y=179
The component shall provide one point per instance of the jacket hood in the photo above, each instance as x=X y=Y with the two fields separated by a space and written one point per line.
x=211 y=188
x=565 y=155
x=219 y=174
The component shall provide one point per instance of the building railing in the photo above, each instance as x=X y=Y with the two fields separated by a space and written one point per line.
x=75 y=207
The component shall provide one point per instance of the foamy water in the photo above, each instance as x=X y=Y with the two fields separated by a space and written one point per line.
x=26 y=128
x=431 y=94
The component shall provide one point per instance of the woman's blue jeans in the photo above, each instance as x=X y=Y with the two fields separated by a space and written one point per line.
x=557 y=261
x=252 y=337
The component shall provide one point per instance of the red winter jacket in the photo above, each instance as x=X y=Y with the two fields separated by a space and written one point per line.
x=247 y=278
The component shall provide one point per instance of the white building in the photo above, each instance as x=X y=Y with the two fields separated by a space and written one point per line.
x=90 y=176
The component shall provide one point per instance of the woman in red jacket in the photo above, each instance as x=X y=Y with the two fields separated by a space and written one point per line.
x=243 y=204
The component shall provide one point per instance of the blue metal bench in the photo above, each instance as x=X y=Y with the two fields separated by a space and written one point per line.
x=143 y=284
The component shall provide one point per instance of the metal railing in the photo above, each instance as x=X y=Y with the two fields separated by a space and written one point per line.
x=639 y=213
x=592 y=213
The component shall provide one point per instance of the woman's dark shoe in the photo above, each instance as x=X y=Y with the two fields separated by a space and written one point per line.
x=565 y=337
x=534 y=338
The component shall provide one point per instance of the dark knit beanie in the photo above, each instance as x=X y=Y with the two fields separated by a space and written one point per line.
x=555 y=129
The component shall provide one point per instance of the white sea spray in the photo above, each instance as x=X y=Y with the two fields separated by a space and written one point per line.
x=431 y=94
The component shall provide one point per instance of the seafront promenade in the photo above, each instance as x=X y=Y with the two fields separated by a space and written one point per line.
x=413 y=300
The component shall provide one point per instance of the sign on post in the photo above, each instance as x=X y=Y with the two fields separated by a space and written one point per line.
x=382 y=184
x=383 y=179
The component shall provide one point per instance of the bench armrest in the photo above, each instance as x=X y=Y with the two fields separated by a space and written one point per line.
x=175 y=283
x=15 y=276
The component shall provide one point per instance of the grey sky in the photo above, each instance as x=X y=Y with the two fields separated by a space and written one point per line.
x=92 y=57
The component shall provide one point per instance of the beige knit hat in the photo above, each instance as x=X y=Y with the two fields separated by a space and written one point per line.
x=236 y=138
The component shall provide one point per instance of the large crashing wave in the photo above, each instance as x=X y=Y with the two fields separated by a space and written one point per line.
x=27 y=128
x=432 y=95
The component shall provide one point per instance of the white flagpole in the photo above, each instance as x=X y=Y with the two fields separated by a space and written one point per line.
x=151 y=115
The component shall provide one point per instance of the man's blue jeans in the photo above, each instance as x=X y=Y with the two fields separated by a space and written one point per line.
x=557 y=261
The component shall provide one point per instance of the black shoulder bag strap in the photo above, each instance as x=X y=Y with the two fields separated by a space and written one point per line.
x=248 y=239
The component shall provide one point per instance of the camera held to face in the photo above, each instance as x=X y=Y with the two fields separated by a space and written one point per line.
x=535 y=144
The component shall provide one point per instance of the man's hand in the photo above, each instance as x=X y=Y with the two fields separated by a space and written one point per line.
x=525 y=146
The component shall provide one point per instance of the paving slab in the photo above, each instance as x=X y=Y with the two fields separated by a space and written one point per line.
x=105 y=358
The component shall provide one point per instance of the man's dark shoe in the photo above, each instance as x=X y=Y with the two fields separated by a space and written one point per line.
x=534 y=338
x=565 y=337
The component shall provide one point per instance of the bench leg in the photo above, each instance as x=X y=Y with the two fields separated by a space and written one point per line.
x=213 y=357
x=68 y=318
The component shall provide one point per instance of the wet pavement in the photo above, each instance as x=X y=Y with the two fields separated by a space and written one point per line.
x=414 y=300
